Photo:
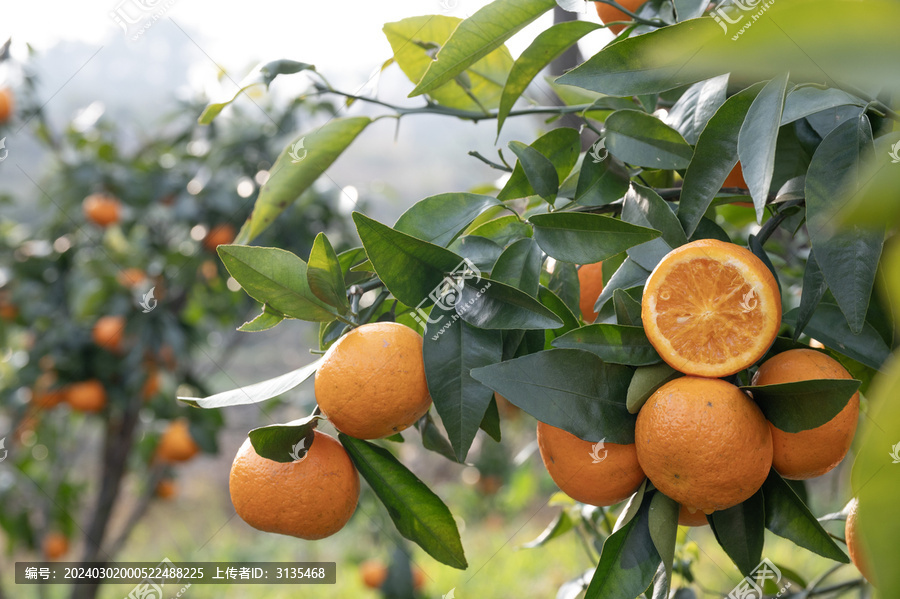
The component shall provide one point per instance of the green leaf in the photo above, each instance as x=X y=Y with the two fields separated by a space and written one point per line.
x=600 y=182
x=805 y=101
x=560 y=146
x=324 y=275
x=520 y=266
x=274 y=277
x=628 y=560
x=418 y=513
x=289 y=178
x=643 y=207
x=264 y=321
x=559 y=307
x=641 y=139
x=564 y=283
x=696 y=106
x=491 y=421
x=613 y=343
x=546 y=47
x=628 y=276
x=285 y=442
x=585 y=238
x=410 y=268
x=557 y=527
x=787 y=516
x=829 y=326
x=758 y=138
x=256 y=392
x=442 y=218
x=714 y=157
x=477 y=36
x=740 y=530
x=663 y=524
x=263 y=74
x=538 y=169
x=803 y=405
x=646 y=64
x=814 y=288
x=646 y=380
x=480 y=251
x=460 y=400
x=569 y=389
x=628 y=309
x=503 y=230
x=489 y=304
x=848 y=258
x=433 y=439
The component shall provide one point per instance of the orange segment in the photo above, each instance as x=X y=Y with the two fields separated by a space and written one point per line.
x=711 y=308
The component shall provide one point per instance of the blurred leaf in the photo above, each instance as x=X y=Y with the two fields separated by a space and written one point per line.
x=803 y=405
x=613 y=343
x=489 y=304
x=546 y=47
x=788 y=517
x=441 y=218
x=264 y=321
x=646 y=380
x=689 y=9
x=274 y=277
x=433 y=439
x=285 y=442
x=805 y=101
x=559 y=526
x=585 y=238
x=316 y=151
x=560 y=146
x=663 y=524
x=569 y=389
x=538 y=169
x=263 y=74
x=324 y=275
x=641 y=139
x=418 y=513
x=696 y=106
x=256 y=392
x=478 y=35
x=600 y=182
x=740 y=530
x=520 y=266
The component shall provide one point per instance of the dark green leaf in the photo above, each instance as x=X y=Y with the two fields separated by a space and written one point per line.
x=644 y=207
x=696 y=106
x=740 y=531
x=256 y=392
x=802 y=405
x=564 y=283
x=433 y=439
x=805 y=101
x=829 y=326
x=274 y=277
x=569 y=389
x=440 y=219
x=503 y=230
x=285 y=442
x=629 y=275
x=600 y=182
x=632 y=507
x=641 y=139
x=480 y=251
x=324 y=275
x=520 y=266
x=489 y=304
x=663 y=524
x=586 y=238
x=554 y=303
x=264 y=321
x=628 y=309
x=788 y=517
x=538 y=169
x=689 y=9
x=646 y=380
x=491 y=421
x=560 y=146
x=557 y=527
x=613 y=343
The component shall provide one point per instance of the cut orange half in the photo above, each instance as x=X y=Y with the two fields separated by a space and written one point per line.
x=711 y=308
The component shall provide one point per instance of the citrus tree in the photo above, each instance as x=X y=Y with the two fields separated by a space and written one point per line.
x=108 y=299
x=686 y=308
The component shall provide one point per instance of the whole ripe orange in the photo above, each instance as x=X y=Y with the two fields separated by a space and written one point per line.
x=373 y=573
x=108 y=332
x=506 y=408
x=610 y=14
x=55 y=545
x=102 y=209
x=218 y=235
x=7 y=104
x=573 y=467
x=166 y=489
x=131 y=277
x=686 y=518
x=8 y=311
x=311 y=498
x=87 y=396
x=736 y=179
x=704 y=443
x=590 y=286
x=371 y=382
x=854 y=542
x=176 y=443
x=812 y=452
x=711 y=308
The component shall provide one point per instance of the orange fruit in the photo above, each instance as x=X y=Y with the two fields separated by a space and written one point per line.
x=218 y=235
x=711 y=308
x=8 y=311
x=704 y=443
x=312 y=498
x=572 y=466
x=151 y=384
x=489 y=485
x=686 y=518
x=7 y=104
x=87 y=396
x=736 y=179
x=854 y=544
x=131 y=277
x=55 y=545
x=418 y=577
x=506 y=408
x=812 y=452
x=590 y=285
x=610 y=14
x=176 y=443
x=371 y=382
x=166 y=489
x=47 y=399
x=373 y=573
x=108 y=332
x=102 y=209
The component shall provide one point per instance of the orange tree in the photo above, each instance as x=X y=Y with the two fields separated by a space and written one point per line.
x=108 y=303
x=665 y=367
